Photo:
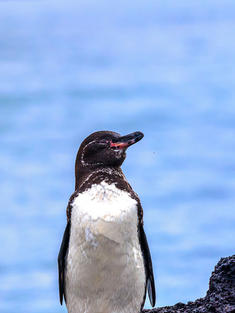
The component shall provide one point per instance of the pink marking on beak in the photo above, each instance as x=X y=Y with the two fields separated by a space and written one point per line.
x=122 y=145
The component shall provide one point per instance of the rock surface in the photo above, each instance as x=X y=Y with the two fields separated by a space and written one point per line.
x=220 y=297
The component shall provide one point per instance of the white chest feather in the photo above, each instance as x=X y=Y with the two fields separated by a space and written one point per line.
x=105 y=270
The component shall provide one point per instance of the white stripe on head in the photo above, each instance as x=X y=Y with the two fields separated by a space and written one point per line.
x=83 y=152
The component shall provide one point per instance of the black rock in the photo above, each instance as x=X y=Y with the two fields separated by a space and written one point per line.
x=220 y=297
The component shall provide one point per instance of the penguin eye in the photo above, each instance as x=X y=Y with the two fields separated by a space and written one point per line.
x=103 y=143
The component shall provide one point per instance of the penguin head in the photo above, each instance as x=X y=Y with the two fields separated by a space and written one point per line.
x=105 y=148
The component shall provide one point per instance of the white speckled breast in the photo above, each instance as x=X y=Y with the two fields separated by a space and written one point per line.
x=105 y=270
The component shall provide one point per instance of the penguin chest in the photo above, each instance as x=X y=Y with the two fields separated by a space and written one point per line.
x=104 y=260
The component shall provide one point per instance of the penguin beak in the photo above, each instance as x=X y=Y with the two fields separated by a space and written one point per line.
x=126 y=141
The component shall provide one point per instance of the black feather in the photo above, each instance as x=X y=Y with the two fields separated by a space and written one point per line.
x=61 y=262
x=148 y=266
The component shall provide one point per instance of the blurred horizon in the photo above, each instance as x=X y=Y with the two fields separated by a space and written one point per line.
x=69 y=68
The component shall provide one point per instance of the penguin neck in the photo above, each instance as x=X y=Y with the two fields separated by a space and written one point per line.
x=85 y=178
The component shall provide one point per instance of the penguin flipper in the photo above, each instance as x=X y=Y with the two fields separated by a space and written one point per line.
x=61 y=262
x=148 y=266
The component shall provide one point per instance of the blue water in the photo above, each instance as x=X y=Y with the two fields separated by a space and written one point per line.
x=68 y=68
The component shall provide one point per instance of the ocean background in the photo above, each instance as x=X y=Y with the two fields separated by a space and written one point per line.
x=68 y=68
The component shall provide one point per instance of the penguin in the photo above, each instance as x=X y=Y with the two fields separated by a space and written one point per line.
x=104 y=262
